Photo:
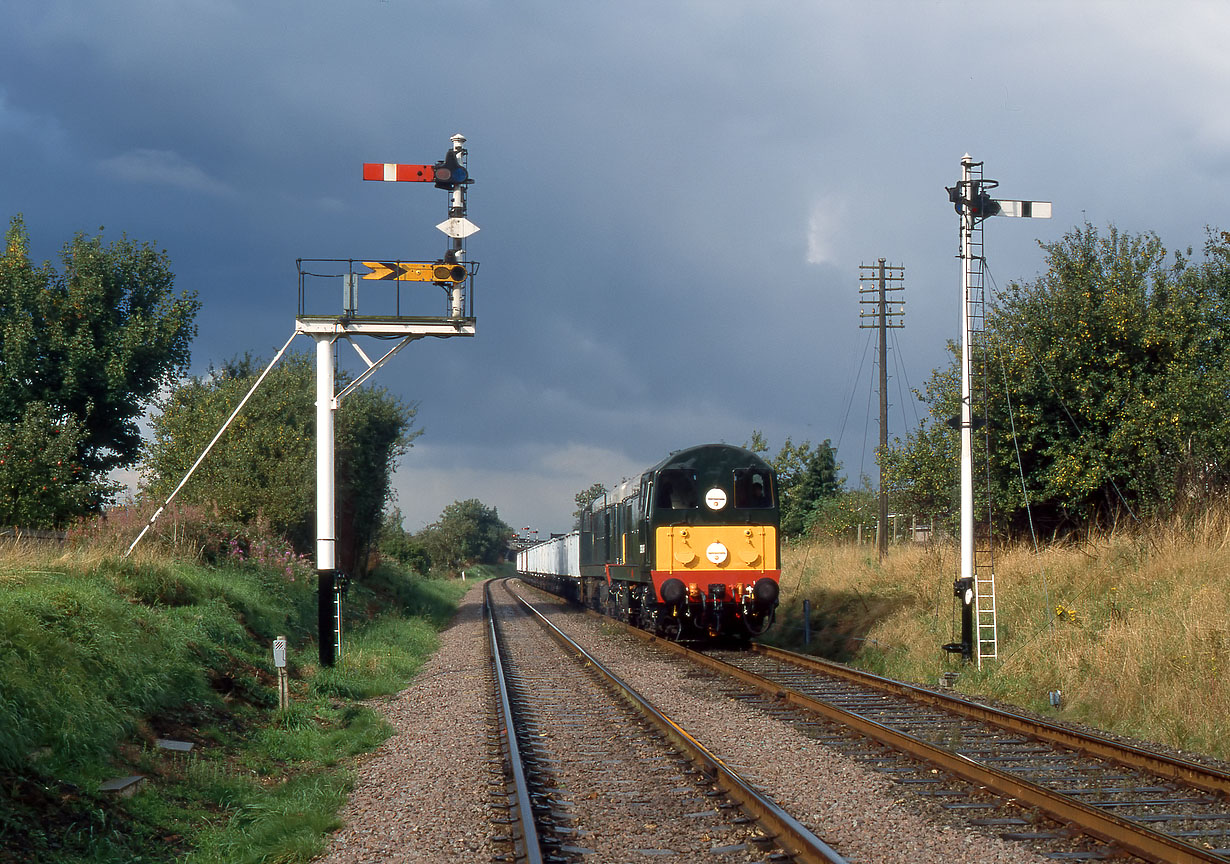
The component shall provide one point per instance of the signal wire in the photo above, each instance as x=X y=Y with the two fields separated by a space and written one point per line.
x=1020 y=464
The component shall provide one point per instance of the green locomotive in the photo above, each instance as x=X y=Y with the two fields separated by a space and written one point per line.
x=690 y=549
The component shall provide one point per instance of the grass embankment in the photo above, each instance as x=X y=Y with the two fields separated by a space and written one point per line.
x=1134 y=630
x=102 y=657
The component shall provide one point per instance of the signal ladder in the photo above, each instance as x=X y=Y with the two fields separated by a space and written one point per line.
x=979 y=365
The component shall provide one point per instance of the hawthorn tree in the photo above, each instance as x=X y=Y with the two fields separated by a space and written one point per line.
x=1110 y=374
x=93 y=341
x=263 y=471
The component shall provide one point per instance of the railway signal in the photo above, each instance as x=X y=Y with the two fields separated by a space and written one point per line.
x=416 y=271
x=394 y=172
x=448 y=173
x=975 y=586
x=452 y=175
x=452 y=271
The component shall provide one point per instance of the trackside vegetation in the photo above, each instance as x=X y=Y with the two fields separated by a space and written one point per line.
x=84 y=347
x=1107 y=381
x=105 y=656
x=1131 y=627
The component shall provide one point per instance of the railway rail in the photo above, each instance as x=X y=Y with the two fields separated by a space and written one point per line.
x=1151 y=805
x=572 y=782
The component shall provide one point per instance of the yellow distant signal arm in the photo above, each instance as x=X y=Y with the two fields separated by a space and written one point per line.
x=416 y=271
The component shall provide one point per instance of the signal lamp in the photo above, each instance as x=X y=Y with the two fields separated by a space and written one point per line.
x=980 y=205
x=449 y=173
x=449 y=273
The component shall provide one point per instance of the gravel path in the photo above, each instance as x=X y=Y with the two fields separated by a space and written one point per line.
x=423 y=796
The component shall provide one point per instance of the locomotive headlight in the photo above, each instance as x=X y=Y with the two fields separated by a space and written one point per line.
x=747 y=532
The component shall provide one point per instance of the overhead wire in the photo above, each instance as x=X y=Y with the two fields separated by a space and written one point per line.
x=853 y=390
x=1046 y=590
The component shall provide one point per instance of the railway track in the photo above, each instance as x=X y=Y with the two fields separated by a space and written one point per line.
x=1149 y=805
x=594 y=770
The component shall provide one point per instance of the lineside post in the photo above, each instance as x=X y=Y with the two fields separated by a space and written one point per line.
x=880 y=287
x=328 y=584
x=451 y=272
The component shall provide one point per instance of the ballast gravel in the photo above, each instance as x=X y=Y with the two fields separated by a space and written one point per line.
x=423 y=795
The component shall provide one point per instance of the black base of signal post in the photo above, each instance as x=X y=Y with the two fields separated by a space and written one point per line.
x=964 y=589
x=328 y=610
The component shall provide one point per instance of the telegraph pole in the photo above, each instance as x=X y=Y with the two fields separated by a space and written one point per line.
x=876 y=281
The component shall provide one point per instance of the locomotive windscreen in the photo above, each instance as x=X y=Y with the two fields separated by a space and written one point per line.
x=753 y=489
x=677 y=490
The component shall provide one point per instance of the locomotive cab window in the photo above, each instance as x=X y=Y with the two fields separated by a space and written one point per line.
x=676 y=490
x=753 y=489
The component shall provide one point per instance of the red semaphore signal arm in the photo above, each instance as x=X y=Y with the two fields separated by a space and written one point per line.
x=393 y=171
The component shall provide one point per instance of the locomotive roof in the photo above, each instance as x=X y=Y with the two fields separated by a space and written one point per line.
x=712 y=456
x=719 y=456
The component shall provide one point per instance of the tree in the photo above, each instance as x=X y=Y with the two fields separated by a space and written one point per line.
x=396 y=542
x=42 y=483
x=1111 y=372
x=584 y=499
x=806 y=477
x=263 y=471
x=466 y=533
x=757 y=444
x=93 y=341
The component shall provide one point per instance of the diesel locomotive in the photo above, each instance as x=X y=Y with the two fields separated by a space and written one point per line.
x=689 y=549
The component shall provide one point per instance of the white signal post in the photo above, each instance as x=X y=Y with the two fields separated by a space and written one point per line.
x=974 y=205
x=452 y=273
x=327 y=330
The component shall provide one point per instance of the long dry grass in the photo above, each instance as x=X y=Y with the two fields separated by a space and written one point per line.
x=1133 y=628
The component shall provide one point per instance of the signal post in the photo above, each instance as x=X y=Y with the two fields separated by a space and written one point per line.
x=384 y=316
x=975 y=584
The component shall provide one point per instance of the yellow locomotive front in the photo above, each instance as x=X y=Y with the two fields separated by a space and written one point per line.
x=692 y=549
x=714 y=523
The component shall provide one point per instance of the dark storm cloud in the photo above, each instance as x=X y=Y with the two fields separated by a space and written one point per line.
x=674 y=198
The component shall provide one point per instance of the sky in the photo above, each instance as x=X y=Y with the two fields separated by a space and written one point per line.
x=674 y=198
